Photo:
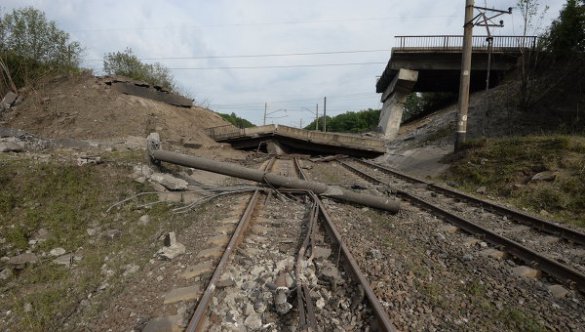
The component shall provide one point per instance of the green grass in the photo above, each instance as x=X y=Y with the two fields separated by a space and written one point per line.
x=66 y=200
x=505 y=167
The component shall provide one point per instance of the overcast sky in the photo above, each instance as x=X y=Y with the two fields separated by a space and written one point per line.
x=161 y=30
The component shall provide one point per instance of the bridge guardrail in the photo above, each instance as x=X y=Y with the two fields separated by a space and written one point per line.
x=455 y=42
x=224 y=132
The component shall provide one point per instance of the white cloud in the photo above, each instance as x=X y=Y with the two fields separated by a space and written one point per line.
x=155 y=29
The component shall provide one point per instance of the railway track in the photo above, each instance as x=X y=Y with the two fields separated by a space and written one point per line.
x=286 y=268
x=556 y=250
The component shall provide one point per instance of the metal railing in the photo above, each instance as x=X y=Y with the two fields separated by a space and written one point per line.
x=224 y=132
x=455 y=42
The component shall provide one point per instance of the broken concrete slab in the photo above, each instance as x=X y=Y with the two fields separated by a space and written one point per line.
x=171 y=252
x=493 y=253
x=57 y=252
x=148 y=91
x=23 y=259
x=8 y=100
x=168 y=181
x=197 y=270
x=544 y=176
x=558 y=291
x=188 y=293
x=526 y=272
x=65 y=260
x=11 y=146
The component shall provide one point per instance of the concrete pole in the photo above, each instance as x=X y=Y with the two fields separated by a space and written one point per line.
x=317 y=117
x=157 y=155
x=325 y=114
x=265 y=108
x=465 y=76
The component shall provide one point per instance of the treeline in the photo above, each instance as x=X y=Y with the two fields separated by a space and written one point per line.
x=33 y=47
x=349 y=122
x=236 y=120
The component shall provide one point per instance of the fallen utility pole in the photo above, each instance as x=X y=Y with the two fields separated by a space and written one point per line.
x=157 y=155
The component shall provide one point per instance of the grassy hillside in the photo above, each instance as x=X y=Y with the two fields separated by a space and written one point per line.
x=506 y=167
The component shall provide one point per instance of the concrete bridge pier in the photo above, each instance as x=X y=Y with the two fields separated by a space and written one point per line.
x=393 y=100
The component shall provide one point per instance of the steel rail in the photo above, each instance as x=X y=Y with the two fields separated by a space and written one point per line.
x=561 y=272
x=350 y=263
x=198 y=319
x=517 y=216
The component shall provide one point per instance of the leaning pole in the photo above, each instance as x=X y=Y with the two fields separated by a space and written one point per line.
x=158 y=155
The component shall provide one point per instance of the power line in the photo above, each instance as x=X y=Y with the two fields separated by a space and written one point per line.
x=258 y=55
x=366 y=19
x=282 y=66
x=350 y=95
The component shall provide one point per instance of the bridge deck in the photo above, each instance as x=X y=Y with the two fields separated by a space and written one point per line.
x=438 y=60
x=299 y=139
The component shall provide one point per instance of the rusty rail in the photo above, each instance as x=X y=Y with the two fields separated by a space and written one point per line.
x=454 y=42
x=198 y=319
x=517 y=216
x=384 y=323
x=561 y=272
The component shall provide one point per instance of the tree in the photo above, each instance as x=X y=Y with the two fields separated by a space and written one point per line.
x=33 y=46
x=127 y=64
x=566 y=36
x=236 y=120
x=350 y=122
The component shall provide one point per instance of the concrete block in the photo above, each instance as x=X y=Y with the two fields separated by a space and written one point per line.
x=188 y=293
x=558 y=291
x=493 y=253
x=210 y=253
x=526 y=272
x=175 y=197
x=197 y=270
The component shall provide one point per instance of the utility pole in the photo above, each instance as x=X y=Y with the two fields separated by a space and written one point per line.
x=325 y=114
x=300 y=123
x=481 y=20
x=465 y=76
x=317 y=117
x=265 y=109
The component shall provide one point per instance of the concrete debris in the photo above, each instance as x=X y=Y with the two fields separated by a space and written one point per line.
x=11 y=146
x=375 y=254
x=481 y=190
x=92 y=231
x=130 y=269
x=142 y=171
x=6 y=273
x=168 y=181
x=189 y=293
x=281 y=300
x=144 y=220
x=65 y=260
x=558 y=291
x=544 y=176
x=8 y=100
x=23 y=259
x=148 y=91
x=253 y=321
x=112 y=234
x=41 y=235
x=85 y=160
x=28 y=307
x=57 y=252
x=172 y=248
x=330 y=273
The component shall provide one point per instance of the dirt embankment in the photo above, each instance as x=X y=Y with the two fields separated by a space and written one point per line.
x=85 y=107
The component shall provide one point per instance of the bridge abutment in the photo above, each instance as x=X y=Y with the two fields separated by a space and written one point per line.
x=393 y=100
